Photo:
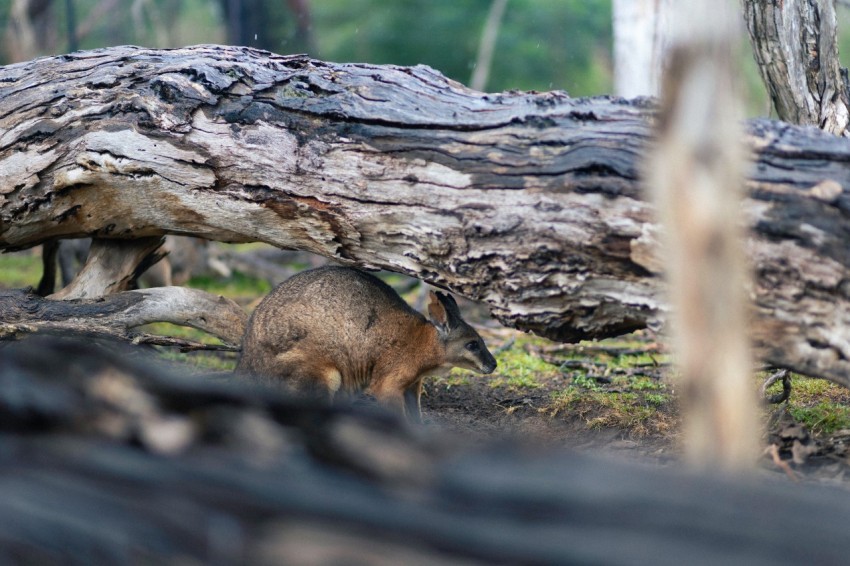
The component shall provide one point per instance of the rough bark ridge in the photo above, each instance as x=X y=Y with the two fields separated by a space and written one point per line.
x=528 y=202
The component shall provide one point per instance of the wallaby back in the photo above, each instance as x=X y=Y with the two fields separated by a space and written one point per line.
x=340 y=329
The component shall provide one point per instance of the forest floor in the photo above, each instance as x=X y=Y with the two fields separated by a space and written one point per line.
x=617 y=397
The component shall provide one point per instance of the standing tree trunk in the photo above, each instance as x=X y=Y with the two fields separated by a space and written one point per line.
x=796 y=46
x=530 y=203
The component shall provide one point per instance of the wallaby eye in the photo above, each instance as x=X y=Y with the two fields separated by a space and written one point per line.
x=471 y=346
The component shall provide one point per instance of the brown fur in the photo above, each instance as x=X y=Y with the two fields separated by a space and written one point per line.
x=340 y=329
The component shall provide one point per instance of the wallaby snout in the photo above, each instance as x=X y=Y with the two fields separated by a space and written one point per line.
x=340 y=329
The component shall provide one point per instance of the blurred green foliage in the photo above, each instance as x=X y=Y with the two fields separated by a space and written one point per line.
x=541 y=45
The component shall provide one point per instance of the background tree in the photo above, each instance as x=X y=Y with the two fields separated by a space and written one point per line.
x=641 y=38
x=796 y=45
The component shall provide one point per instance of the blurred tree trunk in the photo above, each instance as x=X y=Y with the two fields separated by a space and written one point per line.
x=305 y=37
x=487 y=45
x=697 y=177
x=530 y=203
x=795 y=43
x=248 y=24
x=641 y=38
x=30 y=31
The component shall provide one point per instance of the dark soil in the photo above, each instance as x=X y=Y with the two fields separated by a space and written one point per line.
x=481 y=413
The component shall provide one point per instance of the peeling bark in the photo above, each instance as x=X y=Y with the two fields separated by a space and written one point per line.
x=528 y=202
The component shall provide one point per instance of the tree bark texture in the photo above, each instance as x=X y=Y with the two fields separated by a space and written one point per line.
x=528 y=202
x=795 y=43
x=115 y=461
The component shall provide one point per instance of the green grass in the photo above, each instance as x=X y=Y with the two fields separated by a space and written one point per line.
x=19 y=270
x=824 y=418
x=239 y=287
x=638 y=414
x=821 y=406
x=519 y=369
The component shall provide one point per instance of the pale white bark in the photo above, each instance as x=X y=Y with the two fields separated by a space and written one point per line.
x=111 y=267
x=641 y=41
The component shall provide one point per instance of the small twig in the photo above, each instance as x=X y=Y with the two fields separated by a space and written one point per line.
x=598 y=349
x=773 y=450
x=782 y=374
x=506 y=346
x=184 y=345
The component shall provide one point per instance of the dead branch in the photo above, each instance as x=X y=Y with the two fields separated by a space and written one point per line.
x=116 y=315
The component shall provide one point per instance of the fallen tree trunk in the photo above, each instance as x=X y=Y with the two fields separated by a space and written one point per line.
x=530 y=203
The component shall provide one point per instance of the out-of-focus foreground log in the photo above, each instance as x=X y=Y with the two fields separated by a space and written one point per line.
x=113 y=459
x=530 y=203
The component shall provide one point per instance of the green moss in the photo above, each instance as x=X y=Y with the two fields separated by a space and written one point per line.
x=585 y=382
x=525 y=380
x=645 y=384
x=656 y=399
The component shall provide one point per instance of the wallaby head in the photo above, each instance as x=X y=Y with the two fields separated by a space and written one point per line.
x=464 y=347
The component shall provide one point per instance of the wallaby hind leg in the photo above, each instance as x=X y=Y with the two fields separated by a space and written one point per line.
x=315 y=380
x=392 y=398
x=412 y=402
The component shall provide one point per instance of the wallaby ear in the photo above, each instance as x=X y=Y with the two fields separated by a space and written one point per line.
x=437 y=312
x=452 y=311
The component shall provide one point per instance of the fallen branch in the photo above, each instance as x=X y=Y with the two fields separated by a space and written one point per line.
x=115 y=315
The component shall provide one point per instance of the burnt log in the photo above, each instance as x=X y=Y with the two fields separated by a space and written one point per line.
x=114 y=458
x=530 y=203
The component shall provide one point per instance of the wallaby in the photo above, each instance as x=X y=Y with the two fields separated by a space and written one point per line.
x=334 y=329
